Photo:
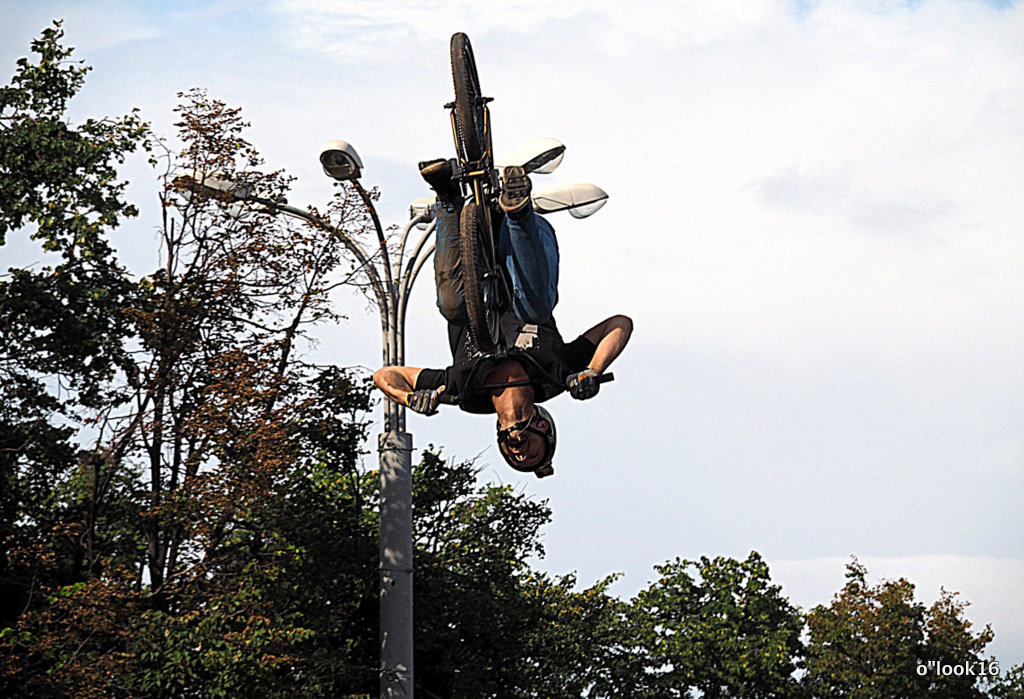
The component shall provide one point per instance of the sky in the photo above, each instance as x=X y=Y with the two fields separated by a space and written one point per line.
x=815 y=221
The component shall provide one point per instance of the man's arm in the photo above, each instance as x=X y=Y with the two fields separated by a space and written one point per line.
x=399 y=384
x=610 y=336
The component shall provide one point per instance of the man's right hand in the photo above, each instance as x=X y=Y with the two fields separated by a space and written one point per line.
x=425 y=400
x=583 y=385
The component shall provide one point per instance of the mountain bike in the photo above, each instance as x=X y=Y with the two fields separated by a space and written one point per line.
x=487 y=286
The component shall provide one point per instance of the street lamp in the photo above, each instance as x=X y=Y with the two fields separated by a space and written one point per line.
x=541 y=155
x=341 y=161
x=580 y=200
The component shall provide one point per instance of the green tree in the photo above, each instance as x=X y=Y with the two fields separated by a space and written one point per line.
x=718 y=627
x=487 y=625
x=62 y=328
x=872 y=640
x=291 y=606
x=166 y=518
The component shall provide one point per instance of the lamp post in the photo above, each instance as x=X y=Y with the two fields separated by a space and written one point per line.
x=391 y=289
x=391 y=279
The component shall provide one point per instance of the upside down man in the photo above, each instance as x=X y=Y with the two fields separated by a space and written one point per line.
x=528 y=247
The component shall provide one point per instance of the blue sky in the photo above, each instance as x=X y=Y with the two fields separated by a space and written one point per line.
x=815 y=221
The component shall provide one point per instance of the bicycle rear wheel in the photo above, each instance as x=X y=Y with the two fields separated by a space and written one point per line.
x=480 y=278
x=469 y=108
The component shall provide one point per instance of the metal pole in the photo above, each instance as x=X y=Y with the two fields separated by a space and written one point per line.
x=396 y=547
x=396 y=606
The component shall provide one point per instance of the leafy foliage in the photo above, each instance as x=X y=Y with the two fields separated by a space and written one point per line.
x=717 y=626
x=488 y=625
x=871 y=641
x=1010 y=685
x=62 y=329
x=175 y=520
x=61 y=180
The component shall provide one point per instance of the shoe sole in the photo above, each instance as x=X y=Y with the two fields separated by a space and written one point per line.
x=517 y=189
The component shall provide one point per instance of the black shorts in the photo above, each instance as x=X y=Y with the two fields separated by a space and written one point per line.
x=554 y=356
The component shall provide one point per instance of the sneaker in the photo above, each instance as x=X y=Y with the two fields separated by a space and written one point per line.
x=515 y=199
x=438 y=174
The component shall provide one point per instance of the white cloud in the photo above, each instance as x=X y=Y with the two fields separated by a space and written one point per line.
x=862 y=124
x=374 y=31
x=369 y=30
x=885 y=209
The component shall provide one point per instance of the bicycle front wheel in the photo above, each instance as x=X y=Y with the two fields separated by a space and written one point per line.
x=469 y=108
x=479 y=278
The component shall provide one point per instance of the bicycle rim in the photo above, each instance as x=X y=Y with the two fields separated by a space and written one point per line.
x=479 y=278
x=469 y=110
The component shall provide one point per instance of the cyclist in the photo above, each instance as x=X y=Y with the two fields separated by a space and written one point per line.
x=527 y=244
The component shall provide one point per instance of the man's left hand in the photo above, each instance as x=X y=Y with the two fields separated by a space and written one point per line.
x=425 y=400
x=583 y=385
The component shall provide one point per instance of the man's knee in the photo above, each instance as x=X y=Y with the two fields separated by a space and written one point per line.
x=535 y=308
x=452 y=307
x=621 y=322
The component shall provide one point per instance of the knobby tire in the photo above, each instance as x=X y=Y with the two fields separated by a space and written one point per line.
x=469 y=112
x=479 y=282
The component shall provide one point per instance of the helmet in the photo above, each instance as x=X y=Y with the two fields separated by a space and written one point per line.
x=543 y=467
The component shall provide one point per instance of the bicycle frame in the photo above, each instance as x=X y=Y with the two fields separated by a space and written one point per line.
x=479 y=179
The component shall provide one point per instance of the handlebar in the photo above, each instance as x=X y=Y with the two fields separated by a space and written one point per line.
x=452 y=399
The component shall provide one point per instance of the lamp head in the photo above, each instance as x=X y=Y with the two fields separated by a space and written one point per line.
x=580 y=200
x=341 y=161
x=541 y=156
x=425 y=208
x=213 y=183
